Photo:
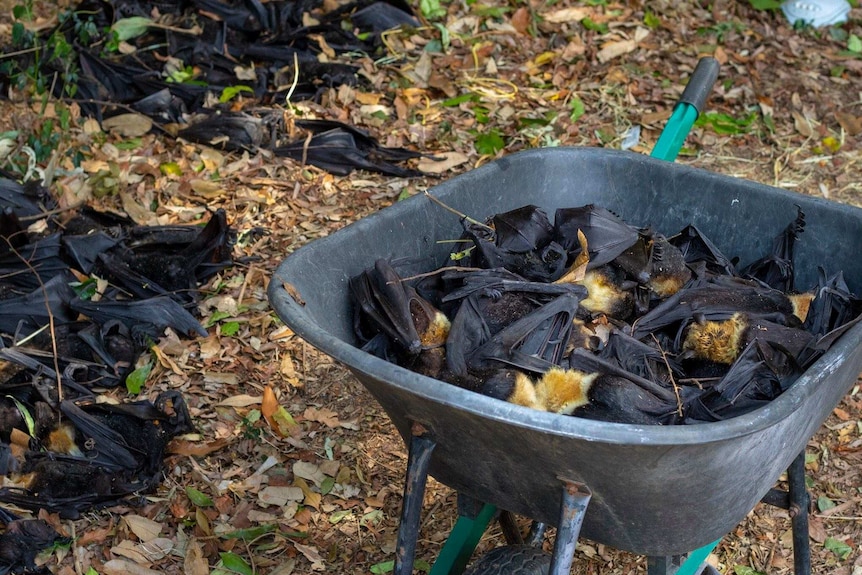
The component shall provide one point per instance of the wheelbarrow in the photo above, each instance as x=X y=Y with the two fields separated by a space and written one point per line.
x=667 y=492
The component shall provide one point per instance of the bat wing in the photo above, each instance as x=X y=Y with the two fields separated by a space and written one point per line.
x=697 y=247
x=535 y=342
x=776 y=268
x=607 y=234
x=523 y=230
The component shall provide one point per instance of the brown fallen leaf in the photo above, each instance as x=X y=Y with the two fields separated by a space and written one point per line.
x=521 y=20
x=143 y=528
x=196 y=449
x=442 y=162
x=195 y=563
x=128 y=125
x=325 y=416
x=279 y=420
x=126 y=567
x=566 y=15
x=313 y=555
x=851 y=124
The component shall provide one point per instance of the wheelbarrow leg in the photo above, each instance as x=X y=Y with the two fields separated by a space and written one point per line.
x=576 y=497
x=799 y=502
x=796 y=501
x=418 y=458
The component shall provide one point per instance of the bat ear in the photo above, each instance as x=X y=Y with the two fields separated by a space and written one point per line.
x=698 y=317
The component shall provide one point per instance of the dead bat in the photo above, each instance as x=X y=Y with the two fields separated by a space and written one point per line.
x=395 y=308
x=22 y=540
x=150 y=316
x=719 y=301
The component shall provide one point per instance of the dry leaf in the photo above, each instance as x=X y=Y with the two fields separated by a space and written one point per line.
x=325 y=416
x=275 y=415
x=312 y=554
x=195 y=449
x=441 y=162
x=310 y=471
x=128 y=125
x=310 y=497
x=521 y=20
x=802 y=124
x=143 y=528
x=126 y=567
x=579 y=267
x=615 y=49
x=851 y=124
x=566 y=15
x=195 y=563
x=279 y=495
x=242 y=400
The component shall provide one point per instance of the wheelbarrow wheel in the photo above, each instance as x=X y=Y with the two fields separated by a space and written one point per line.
x=512 y=560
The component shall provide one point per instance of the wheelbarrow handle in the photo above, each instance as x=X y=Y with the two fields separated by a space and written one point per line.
x=700 y=84
x=686 y=111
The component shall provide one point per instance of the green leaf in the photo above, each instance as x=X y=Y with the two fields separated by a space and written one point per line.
x=589 y=24
x=135 y=381
x=431 y=9
x=384 y=567
x=92 y=571
x=824 y=503
x=229 y=328
x=326 y=485
x=854 y=44
x=216 y=317
x=337 y=516
x=746 y=570
x=250 y=533
x=199 y=498
x=577 y=108
x=230 y=92
x=491 y=143
x=840 y=548
x=25 y=414
x=85 y=289
x=651 y=20
x=235 y=563
x=132 y=27
x=765 y=4
x=725 y=124
x=457 y=100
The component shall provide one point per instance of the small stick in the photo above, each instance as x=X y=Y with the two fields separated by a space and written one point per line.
x=670 y=375
x=437 y=271
x=457 y=213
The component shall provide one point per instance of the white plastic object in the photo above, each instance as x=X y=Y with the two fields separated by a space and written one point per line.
x=816 y=13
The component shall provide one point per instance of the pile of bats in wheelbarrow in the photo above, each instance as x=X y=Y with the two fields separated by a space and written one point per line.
x=589 y=316
x=220 y=73
x=80 y=300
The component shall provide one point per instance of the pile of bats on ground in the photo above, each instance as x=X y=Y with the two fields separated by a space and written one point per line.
x=65 y=337
x=179 y=68
x=593 y=317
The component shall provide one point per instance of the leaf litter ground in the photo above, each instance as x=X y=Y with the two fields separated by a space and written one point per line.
x=308 y=478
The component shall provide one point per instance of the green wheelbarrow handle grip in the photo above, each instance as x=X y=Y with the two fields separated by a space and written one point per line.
x=686 y=111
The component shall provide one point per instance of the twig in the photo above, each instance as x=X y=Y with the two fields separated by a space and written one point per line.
x=437 y=271
x=41 y=215
x=457 y=213
x=670 y=375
